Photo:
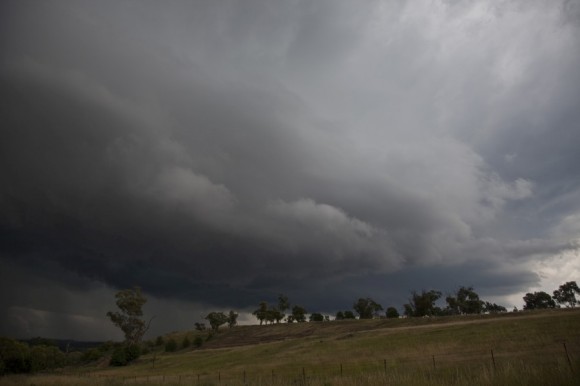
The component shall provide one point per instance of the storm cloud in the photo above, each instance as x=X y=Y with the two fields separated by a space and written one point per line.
x=220 y=153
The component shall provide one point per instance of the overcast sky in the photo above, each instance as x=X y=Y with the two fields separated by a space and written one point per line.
x=218 y=153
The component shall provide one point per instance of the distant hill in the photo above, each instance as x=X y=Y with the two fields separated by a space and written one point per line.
x=63 y=344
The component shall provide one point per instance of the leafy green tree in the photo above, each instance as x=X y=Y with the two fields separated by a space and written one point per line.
x=422 y=304
x=392 y=313
x=316 y=317
x=538 y=300
x=339 y=315
x=130 y=302
x=367 y=308
x=232 y=319
x=298 y=314
x=566 y=294
x=273 y=314
x=262 y=312
x=159 y=341
x=493 y=308
x=283 y=304
x=200 y=326
x=465 y=301
x=216 y=319
x=349 y=315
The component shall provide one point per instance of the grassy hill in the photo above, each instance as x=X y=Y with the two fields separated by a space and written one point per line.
x=526 y=348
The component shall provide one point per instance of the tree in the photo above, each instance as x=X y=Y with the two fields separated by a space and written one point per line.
x=538 y=300
x=200 y=326
x=466 y=301
x=366 y=308
x=216 y=319
x=298 y=314
x=316 y=317
x=130 y=302
x=392 y=313
x=493 y=308
x=274 y=315
x=566 y=294
x=339 y=315
x=283 y=303
x=232 y=319
x=423 y=304
x=261 y=312
x=349 y=315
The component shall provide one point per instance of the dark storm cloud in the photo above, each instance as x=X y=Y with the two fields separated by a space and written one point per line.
x=221 y=153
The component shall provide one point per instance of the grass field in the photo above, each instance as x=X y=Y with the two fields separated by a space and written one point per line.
x=526 y=348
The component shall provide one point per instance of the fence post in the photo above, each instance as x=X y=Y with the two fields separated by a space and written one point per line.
x=433 y=356
x=304 y=375
x=244 y=377
x=341 y=370
x=493 y=360
x=568 y=357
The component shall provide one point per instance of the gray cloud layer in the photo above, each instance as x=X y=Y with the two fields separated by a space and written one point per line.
x=219 y=153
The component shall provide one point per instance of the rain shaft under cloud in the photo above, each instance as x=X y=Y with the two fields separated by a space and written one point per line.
x=220 y=153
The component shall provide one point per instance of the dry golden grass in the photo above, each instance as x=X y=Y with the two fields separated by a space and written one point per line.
x=528 y=349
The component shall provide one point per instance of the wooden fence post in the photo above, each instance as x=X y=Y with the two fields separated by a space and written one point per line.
x=493 y=360
x=568 y=357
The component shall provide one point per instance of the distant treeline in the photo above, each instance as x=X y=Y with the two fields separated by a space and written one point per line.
x=421 y=304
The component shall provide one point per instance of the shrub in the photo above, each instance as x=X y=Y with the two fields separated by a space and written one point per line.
x=123 y=355
x=186 y=343
x=92 y=355
x=46 y=358
x=159 y=341
x=132 y=352
x=198 y=341
x=171 y=345
x=119 y=357
x=15 y=356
